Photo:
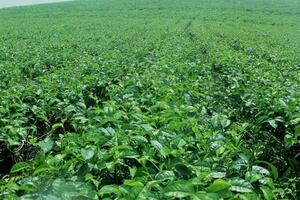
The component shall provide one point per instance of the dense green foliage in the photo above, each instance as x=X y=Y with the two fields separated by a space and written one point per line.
x=145 y=99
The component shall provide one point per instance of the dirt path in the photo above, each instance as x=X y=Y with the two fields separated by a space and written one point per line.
x=13 y=3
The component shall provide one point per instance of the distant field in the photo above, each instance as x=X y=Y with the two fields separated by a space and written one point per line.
x=13 y=3
x=148 y=99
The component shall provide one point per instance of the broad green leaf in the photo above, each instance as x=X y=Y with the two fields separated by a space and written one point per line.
x=261 y=170
x=289 y=141
x=133 y=183
x=267 y=181
x=112 y=189
x=247 y=196
x=267 y=192
x=165 y=175
x=51 y=197
x=19 y=167
x=207 y=196
x=42 y=169
x=218 y=174
x=46 y=145
x=132 y=171
x=252 y=177
x=60 y=187
x=218 y=185
x=138 y=193
x=178 y=194
x=87 y=153
x=147 y=127
x=225 y=123
x=273 y=123
x=156 y=145
x=240 y=185
x=70 y=108
x=81 y=105
x=274 y=170
x=179 y=186
x=296 y=121
x=108 y=189
x=122 y=147
x=188 y=99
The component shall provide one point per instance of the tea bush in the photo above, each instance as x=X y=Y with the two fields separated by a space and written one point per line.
x=150 y=100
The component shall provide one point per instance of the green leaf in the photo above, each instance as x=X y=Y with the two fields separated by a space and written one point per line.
x=50 y=197
x=70 y=108
x=41 y=169
x=87 y=153
x=252 y=177
x=274 y=170
x=267 y=192
x=205 y=196
x=218 y=185
x=295 y=121
x=60 y=186
x=179 y=186
x=19 y=167
x=112 y=189
x=240 y=185
x=247 y=196
x=121 y=147
x=273 y=123
x=147 y=127
x=165 y=175
x=260 y=170
x=289 y=141
x=225 y=123
x=218 y=174
x=266 y=181
x=133 y=183
x=156 y=145
x=54 y=126
x=81 y=105
x=132 y=171
x=46 y=145
x=108 y=189
x=297 y=130
x=178 y=194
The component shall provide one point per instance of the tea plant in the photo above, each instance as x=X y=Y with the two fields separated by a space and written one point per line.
x=150 y=100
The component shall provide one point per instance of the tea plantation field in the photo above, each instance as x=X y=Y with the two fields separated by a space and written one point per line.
x=150 y=99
